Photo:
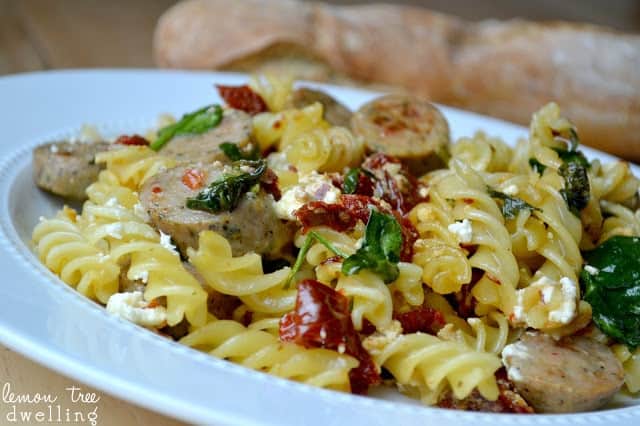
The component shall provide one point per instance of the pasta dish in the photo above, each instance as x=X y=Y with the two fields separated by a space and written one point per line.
x=349 y=250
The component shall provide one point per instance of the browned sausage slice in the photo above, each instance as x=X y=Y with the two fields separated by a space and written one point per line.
x=235 y=127
x=251 y=226
x=333 y=111
x=67 y=168
x=406 y=127
x=573 y=374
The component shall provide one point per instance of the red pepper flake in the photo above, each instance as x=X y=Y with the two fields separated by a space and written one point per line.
x=423 y=319
x=321 y=319
x=242 y=98
x=132 y=140
x=193 y=178
x=156 y=189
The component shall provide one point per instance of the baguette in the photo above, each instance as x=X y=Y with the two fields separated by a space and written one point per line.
x=507 y=69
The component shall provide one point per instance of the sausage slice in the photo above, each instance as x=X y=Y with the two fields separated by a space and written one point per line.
x=333 y=111
x=67 y=168
x=406 y=127
x=235 y=127
x=251 y=226
x=573 y=374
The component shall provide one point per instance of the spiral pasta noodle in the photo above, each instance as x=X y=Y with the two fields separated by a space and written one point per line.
x=263 y=351
x=482 y=153
x=241 y=276
x=430 y=364
x=493 y=254
x=61 y=246
x=329 y=150
x=489 y=333
x=134 y=165
x=630 y=360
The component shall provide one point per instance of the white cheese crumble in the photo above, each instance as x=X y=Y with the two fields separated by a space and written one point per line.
x=111 y=202
x=165 y=241
x=132 y=307
x=140 y=212
x=567 y=310
x=423 y=191
x=463 y=230
x=382 y=338
x=142 y=276
x=311 y=187
x=591 y=270
x=511 y=190
x=514 y=350
x=547 y=294
x=114 y=230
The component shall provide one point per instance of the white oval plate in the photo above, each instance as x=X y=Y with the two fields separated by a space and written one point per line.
x=50 y=323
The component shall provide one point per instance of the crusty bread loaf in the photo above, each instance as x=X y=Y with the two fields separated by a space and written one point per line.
x=506 y=69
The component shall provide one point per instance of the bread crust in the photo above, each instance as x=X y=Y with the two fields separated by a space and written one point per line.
x=506 y=69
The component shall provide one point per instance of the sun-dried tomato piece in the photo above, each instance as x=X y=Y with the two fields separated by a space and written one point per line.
x=193 y=178
x=132 y=140
x=423 y=319
x=393 y=182
x=319 y=213
x=243 y=98
x=321 y=319
x=269 y=182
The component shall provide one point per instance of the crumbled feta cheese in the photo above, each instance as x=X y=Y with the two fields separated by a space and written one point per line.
x=341 y=348
x=111 y=202
x=133 y=307
x=423 y=191
x=591 y=270
x=518 y=308
x=88 y=134
x=547 y=294
x=278 y=161
x=311 y=187
x=463 y=230
x=514 y=350
x=114 y=230
x=609 y=269
x=142 y=276
x=382 y=338
x=511 y=190
x=140 y=212
x=567 y=310
x=165 y=241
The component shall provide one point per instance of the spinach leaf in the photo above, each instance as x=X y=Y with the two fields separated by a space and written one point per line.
x=380 y=252
x=537 y=166
x=224 y=194
x=312 y=237
x=234 y=153
x=196 y=122
x=613 y=290
x=352 y=179
x=510 y=206
x=576 y=191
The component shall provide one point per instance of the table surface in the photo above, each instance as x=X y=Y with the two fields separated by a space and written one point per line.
x=40 y=35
